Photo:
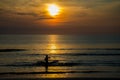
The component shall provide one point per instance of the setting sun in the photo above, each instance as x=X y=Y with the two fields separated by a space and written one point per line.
x=53 y=9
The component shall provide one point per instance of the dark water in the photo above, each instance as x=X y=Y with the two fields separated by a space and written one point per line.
x=77 y=56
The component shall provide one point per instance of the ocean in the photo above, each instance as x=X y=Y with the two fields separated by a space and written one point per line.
x=71 y=56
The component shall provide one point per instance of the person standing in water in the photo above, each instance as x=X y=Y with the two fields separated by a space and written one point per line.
x=46 y=62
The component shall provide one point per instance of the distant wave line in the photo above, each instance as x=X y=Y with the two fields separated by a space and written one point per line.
x=13 y=50
x=67 y=54
x=82 y=49
x=93 y=54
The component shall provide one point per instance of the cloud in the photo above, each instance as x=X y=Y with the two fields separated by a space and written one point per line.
x=26 y=14
x=78 y=16
x=29 y=8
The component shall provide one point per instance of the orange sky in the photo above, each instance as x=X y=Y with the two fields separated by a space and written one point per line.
x=75 y=17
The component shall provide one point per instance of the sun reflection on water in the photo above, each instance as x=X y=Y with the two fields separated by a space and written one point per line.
x=53 y=44
x=53 y=48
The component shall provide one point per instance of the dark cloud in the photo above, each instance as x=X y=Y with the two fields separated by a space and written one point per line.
x=5 y=11
x=35 y=15
x=44 y=17
x=28 y=14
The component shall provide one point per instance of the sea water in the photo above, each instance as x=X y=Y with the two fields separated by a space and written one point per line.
x=95 y=56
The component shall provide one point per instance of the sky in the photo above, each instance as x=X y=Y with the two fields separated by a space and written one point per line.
x=75 y=17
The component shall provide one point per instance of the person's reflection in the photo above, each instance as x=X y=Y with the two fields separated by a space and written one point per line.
x=46 y=63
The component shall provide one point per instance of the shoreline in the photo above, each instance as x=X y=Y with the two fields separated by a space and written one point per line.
x=59 y=78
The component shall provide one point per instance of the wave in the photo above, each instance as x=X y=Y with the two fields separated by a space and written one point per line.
x=62 y=72
x=40 y=63
x=82 y=49
x=92 y=54
x=12 y=50
x=15 y=50
x=64 y=54
x=57 y=63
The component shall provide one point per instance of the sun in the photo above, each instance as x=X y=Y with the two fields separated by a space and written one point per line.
x=53 y=9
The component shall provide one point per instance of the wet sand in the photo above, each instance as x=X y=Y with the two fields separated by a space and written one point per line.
x=61 y=79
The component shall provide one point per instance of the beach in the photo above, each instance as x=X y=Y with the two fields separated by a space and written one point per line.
x=63 y=79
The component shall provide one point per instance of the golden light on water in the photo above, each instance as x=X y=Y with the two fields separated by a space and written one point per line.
x=53 y=48
x=53 y=9
x=53 y=44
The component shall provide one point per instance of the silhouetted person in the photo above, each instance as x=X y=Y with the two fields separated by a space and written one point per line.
x=46 y=63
